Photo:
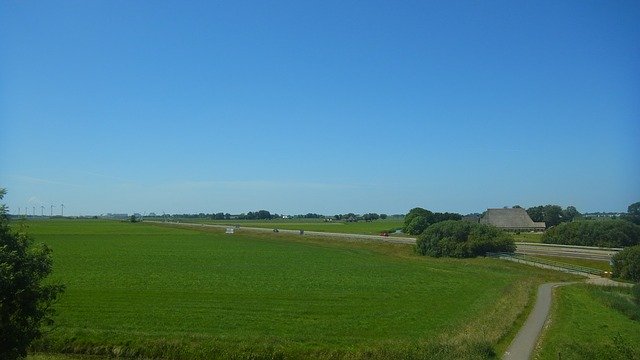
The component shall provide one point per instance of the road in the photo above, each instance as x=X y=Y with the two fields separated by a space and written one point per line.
x=582 y=252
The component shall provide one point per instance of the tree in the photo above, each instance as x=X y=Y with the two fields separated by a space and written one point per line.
x=633 y=213
x=570 y=213
x=463 y=239
x=626 y=264
x=552 y=215
x=603 y=233
x=25 y=303
x=418 y=219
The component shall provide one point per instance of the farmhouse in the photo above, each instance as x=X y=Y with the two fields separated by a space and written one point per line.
x=515 y=219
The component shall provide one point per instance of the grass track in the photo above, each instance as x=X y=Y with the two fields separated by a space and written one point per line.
x=139 y=289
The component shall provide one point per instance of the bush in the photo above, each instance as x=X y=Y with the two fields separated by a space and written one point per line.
x=626 y=264
x=462 y=239
x=602 y=233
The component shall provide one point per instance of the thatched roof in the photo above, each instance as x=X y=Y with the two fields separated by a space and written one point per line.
x=511 y=219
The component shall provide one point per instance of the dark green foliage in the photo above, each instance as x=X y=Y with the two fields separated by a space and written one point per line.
x=635 y=292
x=417 y=225
x=633 y=213
x=418 y=219
x=626 y=264
x=25 y=302
x=462 y=239
x=553 y=215
x=602 y=233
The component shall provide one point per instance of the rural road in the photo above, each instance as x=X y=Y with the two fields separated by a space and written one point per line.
x=582 y=252
x=523 y=344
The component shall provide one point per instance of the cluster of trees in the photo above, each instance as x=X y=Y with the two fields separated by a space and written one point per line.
x=419 y=219
x=355 y=217
x=25 y=302
x=258 y=215
x=626 y=264
x=602 y=233
x=463 y=239
x=552 y=215
x=633 y=213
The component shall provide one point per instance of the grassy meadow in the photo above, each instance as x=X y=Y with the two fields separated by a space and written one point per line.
x=590 y=322
x=142 y=290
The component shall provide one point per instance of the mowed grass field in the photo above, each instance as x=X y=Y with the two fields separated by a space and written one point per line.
x=360 y=227
x=142 y=290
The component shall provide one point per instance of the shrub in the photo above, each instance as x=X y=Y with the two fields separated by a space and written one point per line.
x=462 y=239
x=603 y=233
x=626 y=264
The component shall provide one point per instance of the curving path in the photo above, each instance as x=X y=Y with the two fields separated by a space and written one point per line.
x=523 y=344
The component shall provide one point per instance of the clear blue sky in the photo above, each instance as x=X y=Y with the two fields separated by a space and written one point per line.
x=319 y=106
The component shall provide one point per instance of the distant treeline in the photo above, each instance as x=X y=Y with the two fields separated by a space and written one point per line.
x=267 y=215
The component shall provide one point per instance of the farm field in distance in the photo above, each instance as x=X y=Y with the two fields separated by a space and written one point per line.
x=155 y=291
x=360 y=227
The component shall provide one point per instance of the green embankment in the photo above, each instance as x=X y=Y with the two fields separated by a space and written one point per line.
x=590 y=322
x=154 y=291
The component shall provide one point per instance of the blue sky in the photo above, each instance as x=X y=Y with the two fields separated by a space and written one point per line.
x=319 y=106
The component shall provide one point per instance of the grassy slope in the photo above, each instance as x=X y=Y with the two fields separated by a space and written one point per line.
x=584 y=325
x=146 y=290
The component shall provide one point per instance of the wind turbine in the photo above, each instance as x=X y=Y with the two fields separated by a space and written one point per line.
x=34 y=211
x=41 y=210
x=52 y=206
x=61 y=209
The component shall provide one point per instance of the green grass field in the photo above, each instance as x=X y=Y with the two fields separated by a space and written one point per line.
x=589 y=322
x=532 y=237
x=153 y=291
x=360 y=227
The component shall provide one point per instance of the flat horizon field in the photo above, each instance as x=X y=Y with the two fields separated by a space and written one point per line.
x=361 y=227
x=135 y=289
